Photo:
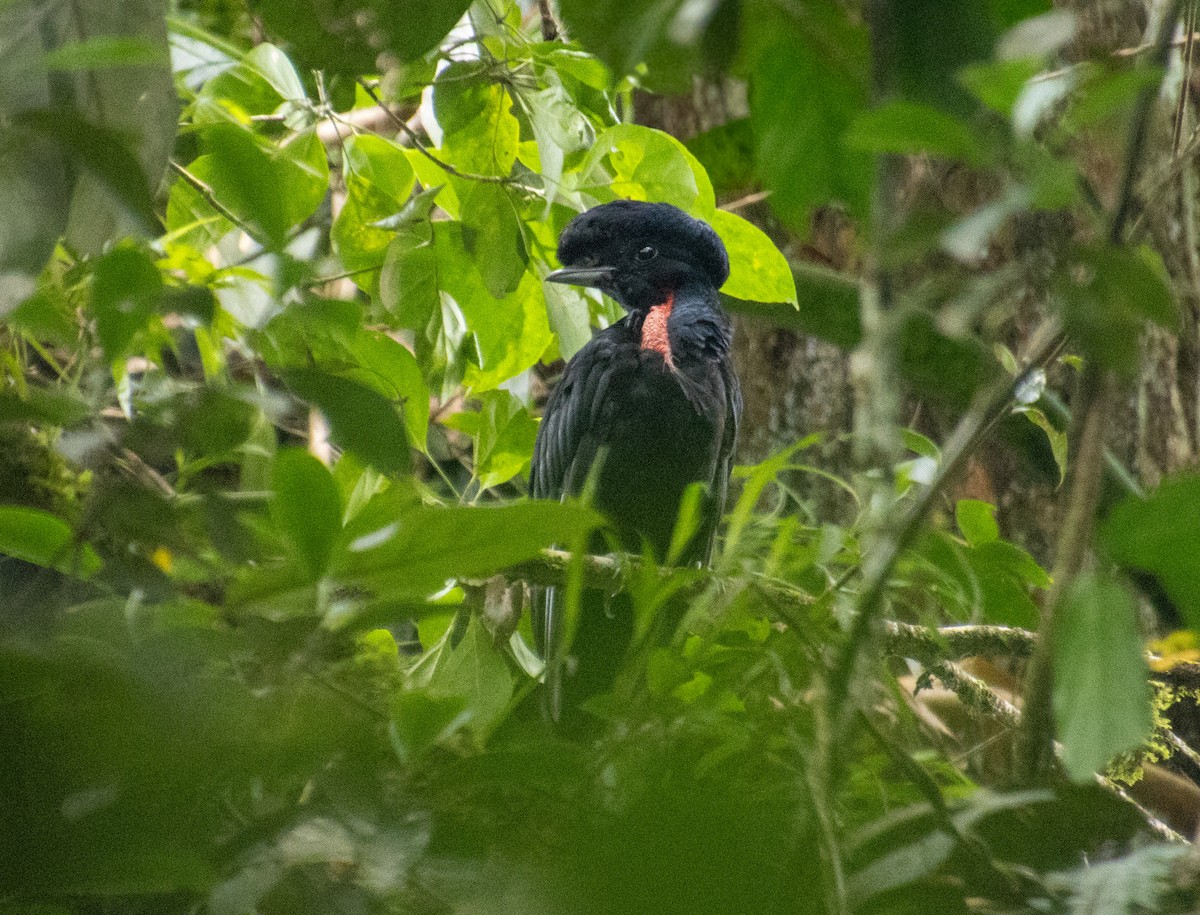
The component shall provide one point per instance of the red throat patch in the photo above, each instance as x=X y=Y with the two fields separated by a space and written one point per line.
x=654 y=329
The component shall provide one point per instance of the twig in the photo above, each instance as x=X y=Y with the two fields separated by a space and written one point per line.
x=420 y=147
x=990 y=407
x=950 y=642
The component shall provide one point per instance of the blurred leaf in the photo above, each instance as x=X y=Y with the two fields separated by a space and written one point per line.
x=273 y=188
x=360 y=419
x=1055 y=436
x=102 y=153
x=41 y=538
x=420 y=721
x=44 y=406
x=727 y=154
x=1145 y=880
x=1101 y=697
x=389 y=367
x=106 y=51
x=977 y=521
x=475 y=671
x=1105 y=293
x=348 y=37
x=1161 y=535
x=758 y=270
x=827 y=306
x=126 y=293
x=424 y=547
x=911 y=128
x=306 y=507
x=801 y=151
x=504 y=433
x=998 y=84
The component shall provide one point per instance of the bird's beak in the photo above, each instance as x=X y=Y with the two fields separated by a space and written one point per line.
x=600 y=277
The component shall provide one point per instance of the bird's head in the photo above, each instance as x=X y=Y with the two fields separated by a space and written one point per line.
x=639 y=253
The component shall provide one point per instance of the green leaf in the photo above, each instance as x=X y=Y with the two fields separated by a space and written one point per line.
x=273 y=188
x=492 y=235
x=379 y=181
x=1105 y=292
x=910 y=128
x=306 y=507
x=504 y=433
x=799 y=133
x=1161 y=535
x=106 y=51
x=475 y=671
x=360 y=419
x=417 y=552
x=392 y=370
x=126 y=292
x=1101 y=697
x=1143 y=880
x=44 y=406
x=1055 y=436
x=420 y=721
x=42 y=539
x=569 y=316
x=640 y=163
x=757 y=269
x=480 y=132
x=105 y=155
x=998 y=84
x=349 y=37
x=977 y=521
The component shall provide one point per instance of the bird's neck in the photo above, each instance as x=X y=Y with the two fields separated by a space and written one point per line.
x=684 y=322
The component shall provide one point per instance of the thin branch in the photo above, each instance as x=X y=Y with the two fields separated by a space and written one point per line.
x=424 y=150
x=990 y=408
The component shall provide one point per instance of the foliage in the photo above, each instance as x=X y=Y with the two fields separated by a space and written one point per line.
x=274 y=337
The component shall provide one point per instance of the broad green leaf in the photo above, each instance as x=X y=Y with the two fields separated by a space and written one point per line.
x=801 y=151
x=1105 y=292
x=1142 y=881
x=640 y=163
x=349 y=37
x=492 y=234
x=757 y=269
x=558 y=126
x=422 y=548
x=1161 y=535
x=379 y=181
x=1055 y=436
x=977 y=521
x=479 y=131
x=475 y=671
x=998 y=84
x=391 y=369
x=39 y=406
x=1101 y=697
x=105 y=155
x=106 y=51
x=504 y=433
x=569 y=316
x=126 y=292
x=272 y=188
x=360 y=419
x=420 y=721
x=508 y=334
x=911 y=128
x=306 y=507
x=42 y=539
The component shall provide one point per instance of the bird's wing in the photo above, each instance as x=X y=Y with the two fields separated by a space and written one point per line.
x=564 y=454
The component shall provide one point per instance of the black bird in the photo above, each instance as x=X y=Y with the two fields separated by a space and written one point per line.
x=648 y=407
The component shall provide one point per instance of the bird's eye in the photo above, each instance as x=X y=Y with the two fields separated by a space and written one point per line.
x=647 y=254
